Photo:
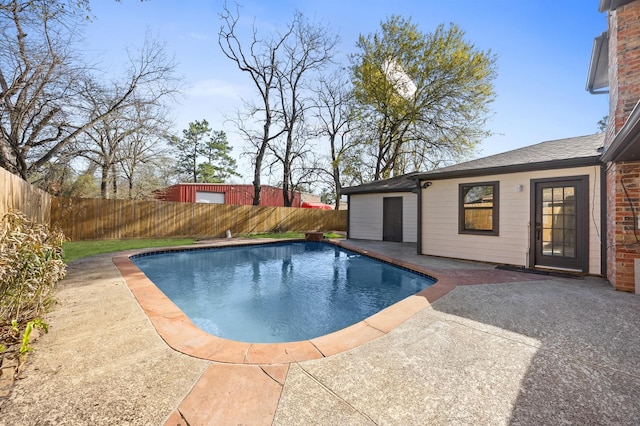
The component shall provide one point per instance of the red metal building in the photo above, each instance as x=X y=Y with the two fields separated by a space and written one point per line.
x=223 y=193
x=318 y=205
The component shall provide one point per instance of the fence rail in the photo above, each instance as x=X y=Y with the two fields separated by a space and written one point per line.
x=18 y=194
x=94 y=219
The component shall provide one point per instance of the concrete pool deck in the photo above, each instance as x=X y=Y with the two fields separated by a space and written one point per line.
x=513 y=348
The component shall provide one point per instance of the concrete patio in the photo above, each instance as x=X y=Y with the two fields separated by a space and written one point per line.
x=501 y=347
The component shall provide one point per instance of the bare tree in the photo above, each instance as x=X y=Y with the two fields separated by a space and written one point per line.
x=336 y=122
x=152 y=177
x=302 y=165
x=281 y=67
x=143 y=148
x=306 y=52
x=60 y=174
x=36 y=79
x=260 y=61
x=43 y=86
x=102 y=140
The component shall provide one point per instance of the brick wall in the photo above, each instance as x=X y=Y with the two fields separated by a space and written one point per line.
x=624 y=52
x=623 y=179
x=611 y=223
x=614 y=124
x=623 y=240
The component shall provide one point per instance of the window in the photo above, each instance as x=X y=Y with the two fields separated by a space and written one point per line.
x=478 y=208
x=209 y=197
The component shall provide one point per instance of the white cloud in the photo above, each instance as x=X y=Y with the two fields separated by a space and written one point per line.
x=216 y=88
x=199 y=36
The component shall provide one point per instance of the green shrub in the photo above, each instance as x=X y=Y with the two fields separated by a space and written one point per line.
x=30 y=266
x=37 y=323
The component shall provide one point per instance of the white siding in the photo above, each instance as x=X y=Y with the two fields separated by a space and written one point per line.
x=365 y=216
x=440 y=235
x=409 y=217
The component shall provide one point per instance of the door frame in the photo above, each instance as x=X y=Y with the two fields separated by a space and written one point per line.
x=399 y=212
x=582 y=222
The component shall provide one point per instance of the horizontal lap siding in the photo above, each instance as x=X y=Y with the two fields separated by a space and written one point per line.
x=409 y=218
x=440 y=235
x=365 y=217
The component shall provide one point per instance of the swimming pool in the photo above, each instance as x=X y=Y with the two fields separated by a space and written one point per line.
x=278 y=292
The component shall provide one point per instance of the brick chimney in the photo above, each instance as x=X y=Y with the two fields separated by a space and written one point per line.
x=624 y=63
x=623 y=172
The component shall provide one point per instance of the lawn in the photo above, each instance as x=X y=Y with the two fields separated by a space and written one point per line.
x=76 y=249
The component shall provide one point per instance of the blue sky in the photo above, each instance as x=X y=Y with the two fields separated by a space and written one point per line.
x=543 y=49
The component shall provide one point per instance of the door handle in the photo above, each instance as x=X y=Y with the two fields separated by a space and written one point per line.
x=538 y=230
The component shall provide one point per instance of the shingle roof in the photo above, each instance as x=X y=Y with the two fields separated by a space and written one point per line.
x=402 y=183
x=555 y=154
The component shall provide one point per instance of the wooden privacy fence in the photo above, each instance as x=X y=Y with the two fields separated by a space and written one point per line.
x=478 y=216
x=18 y=194
x=93 y=219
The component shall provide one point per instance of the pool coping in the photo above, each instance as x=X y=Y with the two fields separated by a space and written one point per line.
x=175 y=328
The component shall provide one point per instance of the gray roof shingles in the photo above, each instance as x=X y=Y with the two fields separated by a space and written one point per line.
x=560 y=153
x=403 y=183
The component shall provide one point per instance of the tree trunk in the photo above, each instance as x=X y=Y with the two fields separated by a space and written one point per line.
x=104 y=181
x=258 y=170
x=256 y=175
x=256 y=189
x=114 y=181
x=336 y=169
x=195 y=170
x=286 y=172
x=130 y=177
x=336 y=181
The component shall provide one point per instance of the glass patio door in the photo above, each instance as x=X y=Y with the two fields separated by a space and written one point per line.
x=560 y=230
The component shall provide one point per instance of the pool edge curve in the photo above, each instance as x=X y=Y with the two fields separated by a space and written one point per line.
x=175 y=328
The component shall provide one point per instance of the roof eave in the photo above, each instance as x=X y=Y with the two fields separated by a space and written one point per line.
x=626 y=144
x=513 y=168
x=598 y=75
x=377 y=186
x=609 y=5
x=354 y=190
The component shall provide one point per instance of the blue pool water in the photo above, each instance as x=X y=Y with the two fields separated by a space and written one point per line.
x=278 y=292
